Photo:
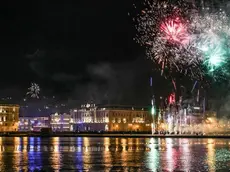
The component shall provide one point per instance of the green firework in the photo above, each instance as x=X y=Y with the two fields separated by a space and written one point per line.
x=215 y=51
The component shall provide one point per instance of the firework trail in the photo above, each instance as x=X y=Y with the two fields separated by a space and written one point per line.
x=174 y=84
x=194 y=86
x=33 y=90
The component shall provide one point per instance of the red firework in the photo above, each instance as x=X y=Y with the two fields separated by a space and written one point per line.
x=175 y=31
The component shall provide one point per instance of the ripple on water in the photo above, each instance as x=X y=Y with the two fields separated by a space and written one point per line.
x=114 y=154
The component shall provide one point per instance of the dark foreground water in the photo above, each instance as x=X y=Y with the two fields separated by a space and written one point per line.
x=113 y=154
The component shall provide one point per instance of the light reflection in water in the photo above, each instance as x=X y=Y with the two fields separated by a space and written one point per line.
x=31 y=154
x=1 y=152
x=17 y=156
x=153 y=156
x=24 y=153
x=118 y=154
x=117 y=144
x=170 y=159
x=123 y=152
x=25 y=143
x=86 y=154
x=186 y=154
x=106 y=143
x=106 y=153
x=55 y=156
x=79 y=157
x=86 y=144
x=211 y=155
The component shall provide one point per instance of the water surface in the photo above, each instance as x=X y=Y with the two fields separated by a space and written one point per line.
x=113 y=154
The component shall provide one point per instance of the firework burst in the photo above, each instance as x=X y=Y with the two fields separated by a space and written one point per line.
x=175 y=32
x=164 y=29
x=212 y=42
x=33 y=90
x=179 y=39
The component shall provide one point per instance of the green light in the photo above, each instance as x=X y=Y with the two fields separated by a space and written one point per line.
x=153 y=110
x=214 y=48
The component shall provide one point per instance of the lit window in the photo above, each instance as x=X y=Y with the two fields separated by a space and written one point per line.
x=119 y=120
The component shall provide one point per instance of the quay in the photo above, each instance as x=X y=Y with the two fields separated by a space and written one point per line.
x=133 y=135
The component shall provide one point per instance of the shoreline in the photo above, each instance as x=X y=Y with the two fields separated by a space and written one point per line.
x=111 y=135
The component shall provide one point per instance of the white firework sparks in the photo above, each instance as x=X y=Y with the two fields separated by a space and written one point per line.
x=34 y=90
x=212 y=41
x=179 y=39
x=164 y=29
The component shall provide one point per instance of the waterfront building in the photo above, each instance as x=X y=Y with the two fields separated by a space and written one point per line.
x=33 y=123
x=40 y=122
x=25 y=124
x=61 y=122
x=111 y=118
x=88 y=118
x=9 y=117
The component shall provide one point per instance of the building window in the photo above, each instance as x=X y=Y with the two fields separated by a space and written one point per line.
x=119 y=120
x=106 y=128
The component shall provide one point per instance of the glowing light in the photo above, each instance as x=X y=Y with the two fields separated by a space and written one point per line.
x=172 y=98
x=153 y=110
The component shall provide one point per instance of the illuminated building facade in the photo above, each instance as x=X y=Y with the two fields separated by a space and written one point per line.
x=40 y=122
x=9 y=117
x=111 y=118
x=33 y=123
x=61 y=122
x=129 y=119
x=25 y=124
x=88 y=118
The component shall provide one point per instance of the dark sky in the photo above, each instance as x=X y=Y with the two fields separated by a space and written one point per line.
x=69 y=36
x=77 y=50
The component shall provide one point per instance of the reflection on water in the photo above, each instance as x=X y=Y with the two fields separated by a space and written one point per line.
x=113 y=154
x=211 y=155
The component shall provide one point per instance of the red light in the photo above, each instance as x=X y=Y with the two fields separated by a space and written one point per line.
x=175 y=31
x=172 y=98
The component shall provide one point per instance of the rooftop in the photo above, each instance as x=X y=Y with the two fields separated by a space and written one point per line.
x=123 y=107
x=5 y=104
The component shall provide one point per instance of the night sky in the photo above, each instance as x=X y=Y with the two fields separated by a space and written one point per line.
x=78 y=51
x=74 y=50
